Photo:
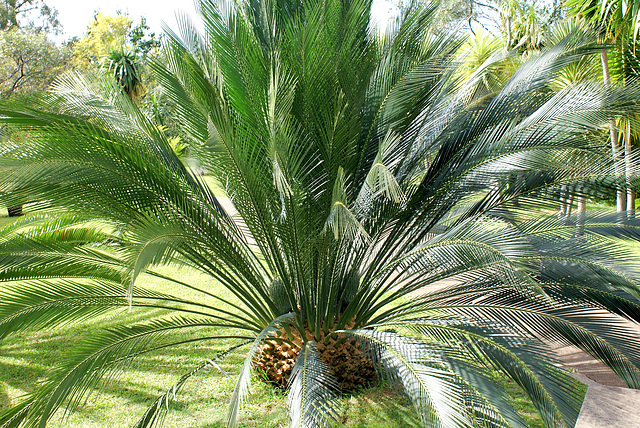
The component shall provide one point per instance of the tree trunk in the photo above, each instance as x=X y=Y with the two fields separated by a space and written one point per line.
x=621 y=197
x=581 y=211
x=508 y=42
x=628 y=171
x=563 y=202
x=15 y=211
x=569 y=206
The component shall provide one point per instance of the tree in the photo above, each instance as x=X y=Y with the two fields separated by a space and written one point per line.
x=113 y=45
x=29 y=62
x=143 y=41
x=618 y=22
x=525 y=24
x=359 y=188
x=126 y=70
x=485 y=54
x=14 y=11
x=105 y=34
x=580 y=71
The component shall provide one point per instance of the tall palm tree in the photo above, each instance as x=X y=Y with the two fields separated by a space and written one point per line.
x=618 y=22
x=363 y=174
x=580 y=71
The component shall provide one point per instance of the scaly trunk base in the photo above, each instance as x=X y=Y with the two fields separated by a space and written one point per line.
x=15 y=211
x=351 y=366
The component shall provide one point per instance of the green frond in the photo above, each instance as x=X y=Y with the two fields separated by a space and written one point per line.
x=341 y=220
x=430 y=379
x=243 y=383
x=313 y=391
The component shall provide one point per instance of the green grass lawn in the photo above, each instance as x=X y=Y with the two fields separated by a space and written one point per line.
x=26 y=358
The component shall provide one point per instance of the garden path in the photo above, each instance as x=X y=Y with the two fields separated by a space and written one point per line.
x=608 y=402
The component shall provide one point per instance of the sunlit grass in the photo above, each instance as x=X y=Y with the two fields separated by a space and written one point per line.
x=26 y=358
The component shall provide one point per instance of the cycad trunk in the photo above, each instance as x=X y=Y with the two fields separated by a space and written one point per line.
x=15 y=211
x=621 y=197
x=351 y=366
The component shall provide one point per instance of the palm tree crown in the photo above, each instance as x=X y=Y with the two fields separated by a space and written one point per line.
x=363 y=172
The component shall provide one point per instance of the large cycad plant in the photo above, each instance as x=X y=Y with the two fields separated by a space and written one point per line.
x=363 y=174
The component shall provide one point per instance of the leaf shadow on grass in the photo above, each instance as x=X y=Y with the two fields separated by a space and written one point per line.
x=5 y=400
x=378 y=406
x=28 y=357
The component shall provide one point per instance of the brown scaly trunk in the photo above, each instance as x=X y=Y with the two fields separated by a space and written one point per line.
x=621 y=197
x=15 y=211
x=628 y=171
x=351 y=365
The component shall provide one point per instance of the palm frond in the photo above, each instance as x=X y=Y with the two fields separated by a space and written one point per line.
x=243 y=383
x=313 y=391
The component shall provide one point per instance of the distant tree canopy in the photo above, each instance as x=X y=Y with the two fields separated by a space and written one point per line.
x=521 y=23
x=29 y=62
x=35 y=14
x=106 y=34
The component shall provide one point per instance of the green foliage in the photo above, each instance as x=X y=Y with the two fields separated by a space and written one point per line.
x=104 y=34
x=523 y=24
x=29 y=62
x=126 y=70
x=14 y=12
x=143 y=41
x=179 y=147
x=485 y=55
x=616 y=19
x=588 y=68
x=363 y=172
x=108 y=34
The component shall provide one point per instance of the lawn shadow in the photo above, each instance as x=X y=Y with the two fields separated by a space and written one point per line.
x=27 y=357
x=5 y=400
x=378 y=406
x=374 y=407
